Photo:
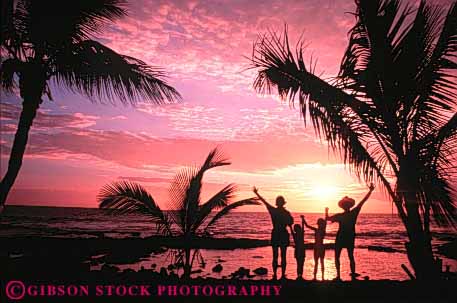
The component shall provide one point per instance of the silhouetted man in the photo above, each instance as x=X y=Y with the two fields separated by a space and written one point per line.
x=345 y=236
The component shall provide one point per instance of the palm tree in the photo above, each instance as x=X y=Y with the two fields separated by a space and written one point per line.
x=189 y=217
x=390 y=112
x=50 y=41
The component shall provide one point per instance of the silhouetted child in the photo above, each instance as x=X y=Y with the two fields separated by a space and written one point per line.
x=319 y=248
x=298 y=233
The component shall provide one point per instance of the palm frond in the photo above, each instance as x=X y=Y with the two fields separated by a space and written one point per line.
x=446 y=137
x=218 y=201
x=186 y=188
x=366 y=65
x=281 y=70
x=7 y=25
x=8 y=71
x=99 y=72
x=435 y=84
x=226 y=210
x=440 y=172
x=128 y=197
x=436 y=191
x=369 y=66
x=214 y=159
x=77 y=20
x=179 y=191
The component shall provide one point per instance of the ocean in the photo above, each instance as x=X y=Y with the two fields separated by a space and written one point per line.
x=380 y=238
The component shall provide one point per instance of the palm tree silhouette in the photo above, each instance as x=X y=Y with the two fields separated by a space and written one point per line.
x=44 y=41
x=390 y=112
x=189 y=217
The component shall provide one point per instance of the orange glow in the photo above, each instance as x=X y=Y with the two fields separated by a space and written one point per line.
x=325 y=193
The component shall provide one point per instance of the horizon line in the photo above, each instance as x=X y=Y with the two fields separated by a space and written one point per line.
x=239 y=211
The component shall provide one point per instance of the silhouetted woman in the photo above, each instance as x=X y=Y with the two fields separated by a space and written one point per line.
x=280 y=219
x=346 y=232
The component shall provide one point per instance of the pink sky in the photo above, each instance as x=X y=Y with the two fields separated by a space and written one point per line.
x=77 y=146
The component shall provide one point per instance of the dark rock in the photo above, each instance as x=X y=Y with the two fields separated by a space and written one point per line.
x=241 y=273
x=159 y=250
x=257 y=257
x=261 y=271
x=163 y=272
x=109 y=268
x=449 y=249
x=125 y=257
x=382 y=248
x=97 y=260
x=217 y=268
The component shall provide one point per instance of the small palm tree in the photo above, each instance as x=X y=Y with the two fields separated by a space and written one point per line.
x=188 y=218
x=391 y=111
x=50 y=41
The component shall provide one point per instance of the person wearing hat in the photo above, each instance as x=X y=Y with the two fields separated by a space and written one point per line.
x=281 y=219
x=346 y=231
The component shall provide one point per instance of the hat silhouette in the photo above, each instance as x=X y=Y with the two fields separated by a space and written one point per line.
x=346 y=203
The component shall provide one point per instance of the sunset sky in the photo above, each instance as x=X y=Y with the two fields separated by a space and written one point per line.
x=77 y=146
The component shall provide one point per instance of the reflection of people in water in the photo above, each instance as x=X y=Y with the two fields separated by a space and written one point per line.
x=319 y=248
x=298 y=233
x=280 y=218
x=346 y=232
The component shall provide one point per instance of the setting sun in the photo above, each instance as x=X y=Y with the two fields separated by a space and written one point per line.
x=324 y=192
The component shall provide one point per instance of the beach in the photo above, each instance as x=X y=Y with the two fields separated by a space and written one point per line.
x=92 y=238
x=43 y=249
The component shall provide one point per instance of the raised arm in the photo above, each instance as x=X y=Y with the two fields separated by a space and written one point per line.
x=307 y=225
x=360 y=204
x=330 y=218
x=256 y=191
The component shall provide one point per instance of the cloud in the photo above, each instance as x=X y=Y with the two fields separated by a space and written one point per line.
x=207 y=40
x=45 y=120
x=143 y=151
x=236 y=122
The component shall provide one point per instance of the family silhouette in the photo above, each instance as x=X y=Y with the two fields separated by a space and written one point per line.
x=281 y=220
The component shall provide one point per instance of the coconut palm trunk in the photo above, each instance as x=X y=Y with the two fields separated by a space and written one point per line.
x=28 y=114
x=32 y=85
x=187 y=262
x=419 y=247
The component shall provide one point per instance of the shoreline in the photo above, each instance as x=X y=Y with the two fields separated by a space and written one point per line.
x=103 y=243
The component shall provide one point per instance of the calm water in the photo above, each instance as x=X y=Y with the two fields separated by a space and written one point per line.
x=381 y=230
